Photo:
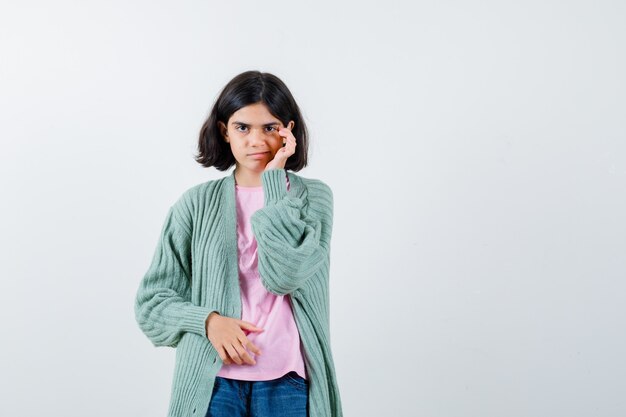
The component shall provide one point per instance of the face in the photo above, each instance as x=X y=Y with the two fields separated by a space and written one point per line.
x=252 y=133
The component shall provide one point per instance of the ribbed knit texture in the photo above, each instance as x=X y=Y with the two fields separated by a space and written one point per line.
x=194 y=271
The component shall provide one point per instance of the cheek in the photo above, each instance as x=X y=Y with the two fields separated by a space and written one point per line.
x=277 y=147
x=236 y=151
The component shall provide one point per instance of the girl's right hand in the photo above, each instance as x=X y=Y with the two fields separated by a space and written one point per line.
x=230 y=341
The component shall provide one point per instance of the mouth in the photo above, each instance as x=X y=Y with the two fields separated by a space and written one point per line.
x=258 y=153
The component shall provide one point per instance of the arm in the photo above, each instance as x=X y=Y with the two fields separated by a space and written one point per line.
x=293 y=240
x=163 y=308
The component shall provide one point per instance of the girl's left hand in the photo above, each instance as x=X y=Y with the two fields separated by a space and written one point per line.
x=280 y=158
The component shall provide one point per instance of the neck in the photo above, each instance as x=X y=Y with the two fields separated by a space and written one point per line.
x=247 y=178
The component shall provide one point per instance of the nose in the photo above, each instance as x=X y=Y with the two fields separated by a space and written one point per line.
x=257 y=138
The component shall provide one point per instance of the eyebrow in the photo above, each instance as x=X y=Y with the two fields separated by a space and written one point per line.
x=246 y=124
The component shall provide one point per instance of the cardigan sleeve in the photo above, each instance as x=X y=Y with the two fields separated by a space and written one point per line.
x=163 y=307
x=293 y=236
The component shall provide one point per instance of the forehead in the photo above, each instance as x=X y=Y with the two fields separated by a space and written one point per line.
x=254 y=114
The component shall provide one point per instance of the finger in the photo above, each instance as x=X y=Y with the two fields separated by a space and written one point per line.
x=250 y=346
x=286 y=133
x=243 y=353
x=249 y=326
x=223 y=355
x=288 y=140
x=233 y=354
x=254 y=348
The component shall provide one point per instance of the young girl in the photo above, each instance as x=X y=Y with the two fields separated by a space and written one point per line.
x=238 y=283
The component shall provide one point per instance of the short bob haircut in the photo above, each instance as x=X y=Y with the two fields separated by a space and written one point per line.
x=251 y=87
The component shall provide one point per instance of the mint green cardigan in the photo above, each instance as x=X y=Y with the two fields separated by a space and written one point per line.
x=194 y=271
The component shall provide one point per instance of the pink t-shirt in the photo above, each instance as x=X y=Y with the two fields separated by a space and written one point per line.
x=280 y=342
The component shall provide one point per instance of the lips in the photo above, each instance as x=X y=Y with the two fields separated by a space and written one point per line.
x=258 y=153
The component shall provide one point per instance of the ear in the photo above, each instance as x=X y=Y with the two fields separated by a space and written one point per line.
x=223 y=130
x=291 y=125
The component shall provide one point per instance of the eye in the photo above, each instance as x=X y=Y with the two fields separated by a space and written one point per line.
x=238 y=126
x=271 y=127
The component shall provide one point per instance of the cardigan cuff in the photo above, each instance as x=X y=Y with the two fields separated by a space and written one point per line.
x=195 y=319
x=274 y=183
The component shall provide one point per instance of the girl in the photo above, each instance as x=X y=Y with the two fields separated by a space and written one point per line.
x=238 y=283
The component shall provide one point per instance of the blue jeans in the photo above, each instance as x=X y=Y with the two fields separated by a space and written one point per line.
x=286 y=396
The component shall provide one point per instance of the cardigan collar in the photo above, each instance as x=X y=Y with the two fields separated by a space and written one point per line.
x=296 y=188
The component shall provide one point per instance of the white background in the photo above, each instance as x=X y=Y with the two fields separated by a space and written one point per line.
x=477 y=155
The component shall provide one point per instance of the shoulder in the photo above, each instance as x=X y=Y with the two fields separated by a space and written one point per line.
x=317 y=190
x=194 y=198
x=319 y=198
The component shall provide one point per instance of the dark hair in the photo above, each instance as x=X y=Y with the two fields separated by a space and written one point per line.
x=251 y=87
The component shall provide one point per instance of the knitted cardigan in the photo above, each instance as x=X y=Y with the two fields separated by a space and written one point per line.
x=194 y=271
